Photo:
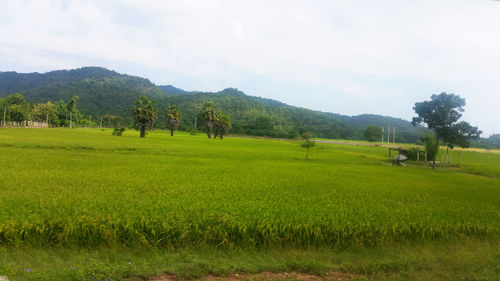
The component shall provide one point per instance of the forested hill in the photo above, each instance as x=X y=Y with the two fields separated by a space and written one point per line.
x=102 y=91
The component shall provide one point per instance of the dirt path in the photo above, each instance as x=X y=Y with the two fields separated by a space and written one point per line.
x=333 y=276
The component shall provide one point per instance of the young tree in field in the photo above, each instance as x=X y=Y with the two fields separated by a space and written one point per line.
x=173 y=116
x=441 y=115
x=72 y=109
x=207 y=113
x=221 y=123
x=144 y=114
x=307 y=143
x=373 y=133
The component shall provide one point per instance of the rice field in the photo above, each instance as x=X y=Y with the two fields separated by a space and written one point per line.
x=86 y=188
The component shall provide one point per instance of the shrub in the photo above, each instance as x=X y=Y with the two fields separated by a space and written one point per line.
x=118 y=131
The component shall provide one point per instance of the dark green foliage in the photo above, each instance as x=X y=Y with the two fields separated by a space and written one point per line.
x=430 y=146
x=144 y=113
x=373 y=133
x=16 y=98
x=412 y=153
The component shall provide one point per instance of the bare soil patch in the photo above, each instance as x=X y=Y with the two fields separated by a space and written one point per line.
x=265 y=276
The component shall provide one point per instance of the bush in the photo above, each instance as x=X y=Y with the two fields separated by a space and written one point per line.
x=118 y=131
x=412 y=153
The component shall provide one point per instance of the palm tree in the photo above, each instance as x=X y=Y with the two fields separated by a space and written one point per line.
x=71 y=108
x=221 y=123
x=144 y=114
x=207 y=113
x=173 y=116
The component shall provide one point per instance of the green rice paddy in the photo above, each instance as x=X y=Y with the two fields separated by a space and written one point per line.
x=85 y=188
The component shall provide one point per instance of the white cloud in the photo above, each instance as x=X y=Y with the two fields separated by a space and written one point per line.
x=387 y=53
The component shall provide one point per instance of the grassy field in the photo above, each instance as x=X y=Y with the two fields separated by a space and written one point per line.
x=158 y=200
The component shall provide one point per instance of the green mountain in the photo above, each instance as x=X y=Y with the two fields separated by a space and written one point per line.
x=103 y=91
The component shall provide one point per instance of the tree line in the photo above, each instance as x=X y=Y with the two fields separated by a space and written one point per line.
x=145 y=114
x=16 y=109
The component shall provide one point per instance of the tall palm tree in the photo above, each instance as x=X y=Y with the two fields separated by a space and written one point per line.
x=71 y=108
x=144 y=114
x=207 y=113
x=173 y=116
x=222 y=123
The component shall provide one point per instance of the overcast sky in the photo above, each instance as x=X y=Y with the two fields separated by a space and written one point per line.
x=348 y=57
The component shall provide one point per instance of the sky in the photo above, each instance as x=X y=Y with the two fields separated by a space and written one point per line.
x=348 y=57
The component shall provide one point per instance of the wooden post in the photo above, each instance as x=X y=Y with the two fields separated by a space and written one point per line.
x=418 y=154
x=447 y=162
x=450 y=157
x=100 y=126
x=393 y=134
x=90 y=121
x=388 y=134
x=426 y=157
x=442 y=154
x=71 y=119
x=459 y=159
x=389 y=154
x=383 y=133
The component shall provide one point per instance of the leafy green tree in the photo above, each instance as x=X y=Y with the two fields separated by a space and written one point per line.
x=112 y=120
x=173 y=116
x=144 y=113
x=44 y=112
x=15 y=108
x=16 y=113
x=373 y=133
x=16 y=99
x=61 y=113
x=441 y=115
x=307 y=143
x=207 y=113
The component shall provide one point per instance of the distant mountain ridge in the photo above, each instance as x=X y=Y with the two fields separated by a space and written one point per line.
x=104 y=91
